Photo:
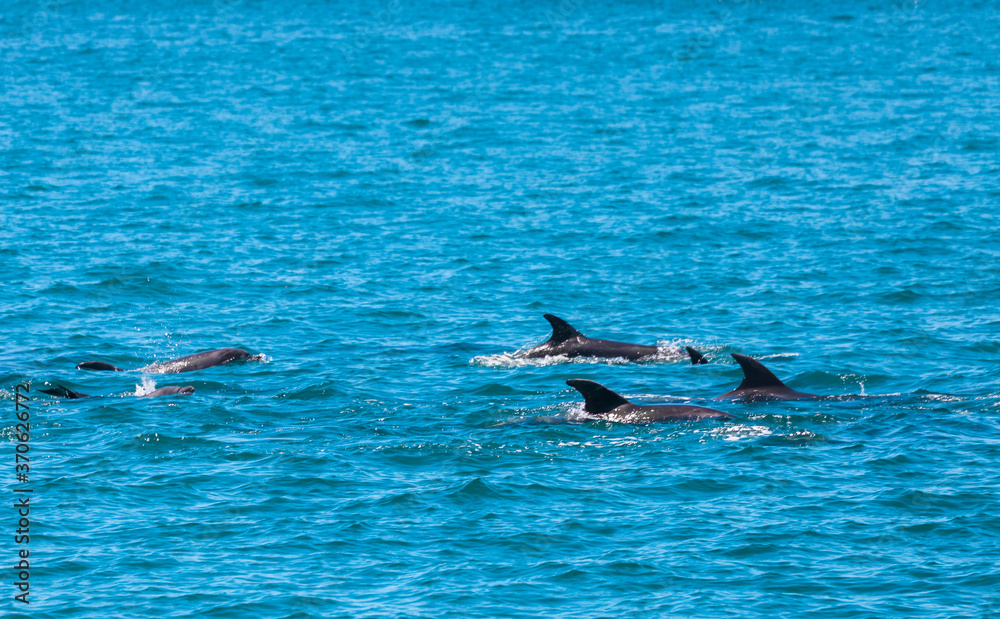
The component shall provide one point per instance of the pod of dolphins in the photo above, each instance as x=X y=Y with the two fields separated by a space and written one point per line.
x=759 y=383
x=190 y=363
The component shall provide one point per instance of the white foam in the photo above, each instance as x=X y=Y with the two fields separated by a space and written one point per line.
x=739 y=431
x=577 y=413
x=669 y=352
x=148 y=385
x=777 y=355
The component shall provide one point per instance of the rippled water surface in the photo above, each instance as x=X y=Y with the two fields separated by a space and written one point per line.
x=381 y=201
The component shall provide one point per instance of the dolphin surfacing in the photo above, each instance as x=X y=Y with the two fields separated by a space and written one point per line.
x=63 y=392
x=186 y=390
x=99 y=366
x=760 y=384
x=605 y=403
x=568 y=342
x=190 y=363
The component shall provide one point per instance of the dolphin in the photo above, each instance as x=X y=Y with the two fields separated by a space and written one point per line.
x=63 y=392
x=696 y=357
x=567 y=341
x=605 y=403
x=190 y=363
x=759 y=384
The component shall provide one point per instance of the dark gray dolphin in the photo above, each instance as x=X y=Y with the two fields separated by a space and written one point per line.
x=567 y=341
x=696 y=357
x=190 y=363
x=63 y=392
x=603 y=402
x=171 y=390
x=759 y=384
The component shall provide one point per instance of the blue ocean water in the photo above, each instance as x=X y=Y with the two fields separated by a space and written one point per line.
x=382 y=200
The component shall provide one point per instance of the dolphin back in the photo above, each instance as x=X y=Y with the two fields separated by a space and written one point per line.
x=198 y=361
x=99 y=366
x=172 y=390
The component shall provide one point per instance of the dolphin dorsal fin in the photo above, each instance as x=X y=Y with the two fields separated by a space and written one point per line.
x=696 y=357
x=63 y=392
x=755 y=374
x=598 y=399
x=561 y=330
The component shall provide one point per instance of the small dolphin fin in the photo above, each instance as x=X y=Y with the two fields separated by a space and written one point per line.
x=598 y=399
x=755 y=374
x=696 y=357
x=561 y=330
x=63 y=392
x=98 y=365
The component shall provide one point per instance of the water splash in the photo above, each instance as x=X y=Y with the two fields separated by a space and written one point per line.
x=147 y=386
x=668 y=352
